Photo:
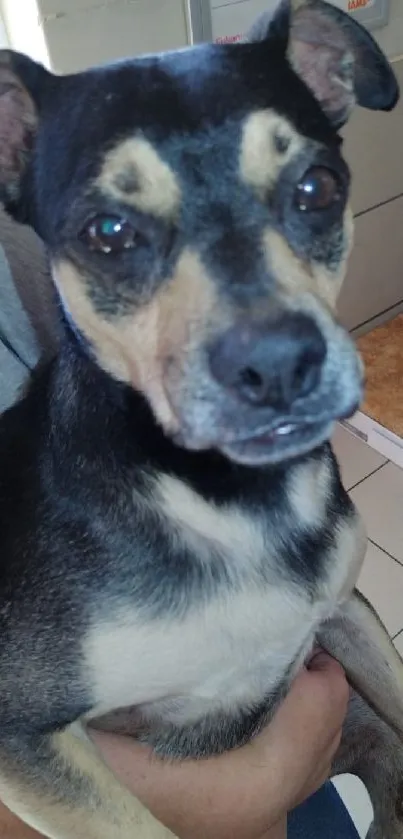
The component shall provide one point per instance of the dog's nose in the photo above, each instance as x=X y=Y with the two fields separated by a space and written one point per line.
x=270 y=364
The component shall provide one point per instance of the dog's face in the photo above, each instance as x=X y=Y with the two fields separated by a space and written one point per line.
x=195 y=207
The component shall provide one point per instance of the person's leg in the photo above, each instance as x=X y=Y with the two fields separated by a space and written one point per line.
x=323 y=816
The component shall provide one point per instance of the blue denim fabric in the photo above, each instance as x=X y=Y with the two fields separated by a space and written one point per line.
x=323 y=816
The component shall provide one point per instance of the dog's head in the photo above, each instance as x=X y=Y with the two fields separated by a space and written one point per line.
x=195 y=208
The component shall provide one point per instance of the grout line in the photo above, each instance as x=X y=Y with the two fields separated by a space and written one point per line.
x=370 y=474
x=377 y=206
x=374 y=317
x=397 y=635
x=384 y=551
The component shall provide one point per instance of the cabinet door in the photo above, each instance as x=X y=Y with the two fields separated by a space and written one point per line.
x=373 y=148
x=374 y=280
x=87 y=33
x=232 y=18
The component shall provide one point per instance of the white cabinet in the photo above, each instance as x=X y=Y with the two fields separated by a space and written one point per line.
x=374 y=144
x=81 y=33
x=374 y=281
x=232 y=18
x=374 y=150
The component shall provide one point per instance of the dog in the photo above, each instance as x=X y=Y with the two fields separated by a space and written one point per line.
x=175 y=535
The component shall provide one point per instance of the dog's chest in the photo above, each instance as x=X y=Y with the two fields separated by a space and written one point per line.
x=234 y=644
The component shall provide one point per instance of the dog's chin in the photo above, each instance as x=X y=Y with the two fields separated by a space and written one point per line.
x=285 y=442
x=280 y=438
x=265 y=446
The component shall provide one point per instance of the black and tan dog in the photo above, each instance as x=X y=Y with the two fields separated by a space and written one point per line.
x=174 y=534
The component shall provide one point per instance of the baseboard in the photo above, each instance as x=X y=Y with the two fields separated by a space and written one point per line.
x=375 y=435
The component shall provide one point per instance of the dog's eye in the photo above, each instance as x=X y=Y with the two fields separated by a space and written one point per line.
x=109 y=234
x=319 y=189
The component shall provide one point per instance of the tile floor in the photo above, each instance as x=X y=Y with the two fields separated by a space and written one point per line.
x=376 y=487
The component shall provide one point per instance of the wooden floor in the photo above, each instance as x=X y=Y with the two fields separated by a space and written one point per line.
x=382 y=353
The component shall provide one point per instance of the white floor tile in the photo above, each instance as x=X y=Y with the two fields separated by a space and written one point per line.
x=381 y=581
x=357 y=801
x=380 y=500
x=356 y=459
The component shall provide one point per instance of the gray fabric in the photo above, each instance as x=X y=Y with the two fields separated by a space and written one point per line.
x=13 y=377
x=16 y=331
x=19 y=348
x=26 y=258
x=28 y=319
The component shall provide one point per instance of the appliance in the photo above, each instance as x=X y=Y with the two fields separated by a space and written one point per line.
x=228 y=20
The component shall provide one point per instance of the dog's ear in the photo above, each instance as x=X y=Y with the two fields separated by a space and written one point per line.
x=22 y=83
x=334 y=55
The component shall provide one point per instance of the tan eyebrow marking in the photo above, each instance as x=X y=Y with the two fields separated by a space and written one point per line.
x=135 y=173
x=268 y=143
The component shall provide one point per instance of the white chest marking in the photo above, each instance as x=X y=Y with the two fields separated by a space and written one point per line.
x=208 y=528
x=308 y=491
x=230 y=651
x=224 y=655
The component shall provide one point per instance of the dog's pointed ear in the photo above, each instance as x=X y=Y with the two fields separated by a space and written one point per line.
x=334 y=55
x=22 y=83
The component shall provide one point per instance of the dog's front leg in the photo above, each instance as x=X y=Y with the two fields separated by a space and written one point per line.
x=59 y=785
x=372 y=744
x=373 y=752
x=356 y=637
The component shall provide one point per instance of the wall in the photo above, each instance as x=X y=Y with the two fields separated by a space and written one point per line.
x=391 y=37
x=374 y=144
x=23 y=28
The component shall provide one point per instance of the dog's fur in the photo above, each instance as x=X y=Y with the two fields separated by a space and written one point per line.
x=175 y=540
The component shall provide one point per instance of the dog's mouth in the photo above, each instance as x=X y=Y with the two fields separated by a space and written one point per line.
x=272 y=443
x=212 y=418
x=286 y=440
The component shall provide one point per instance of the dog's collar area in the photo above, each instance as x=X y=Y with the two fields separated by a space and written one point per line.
x=70 y=324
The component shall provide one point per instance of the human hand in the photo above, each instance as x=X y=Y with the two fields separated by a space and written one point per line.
x=245 y=794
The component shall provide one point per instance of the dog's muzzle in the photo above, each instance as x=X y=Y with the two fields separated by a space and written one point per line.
x=284 y=382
